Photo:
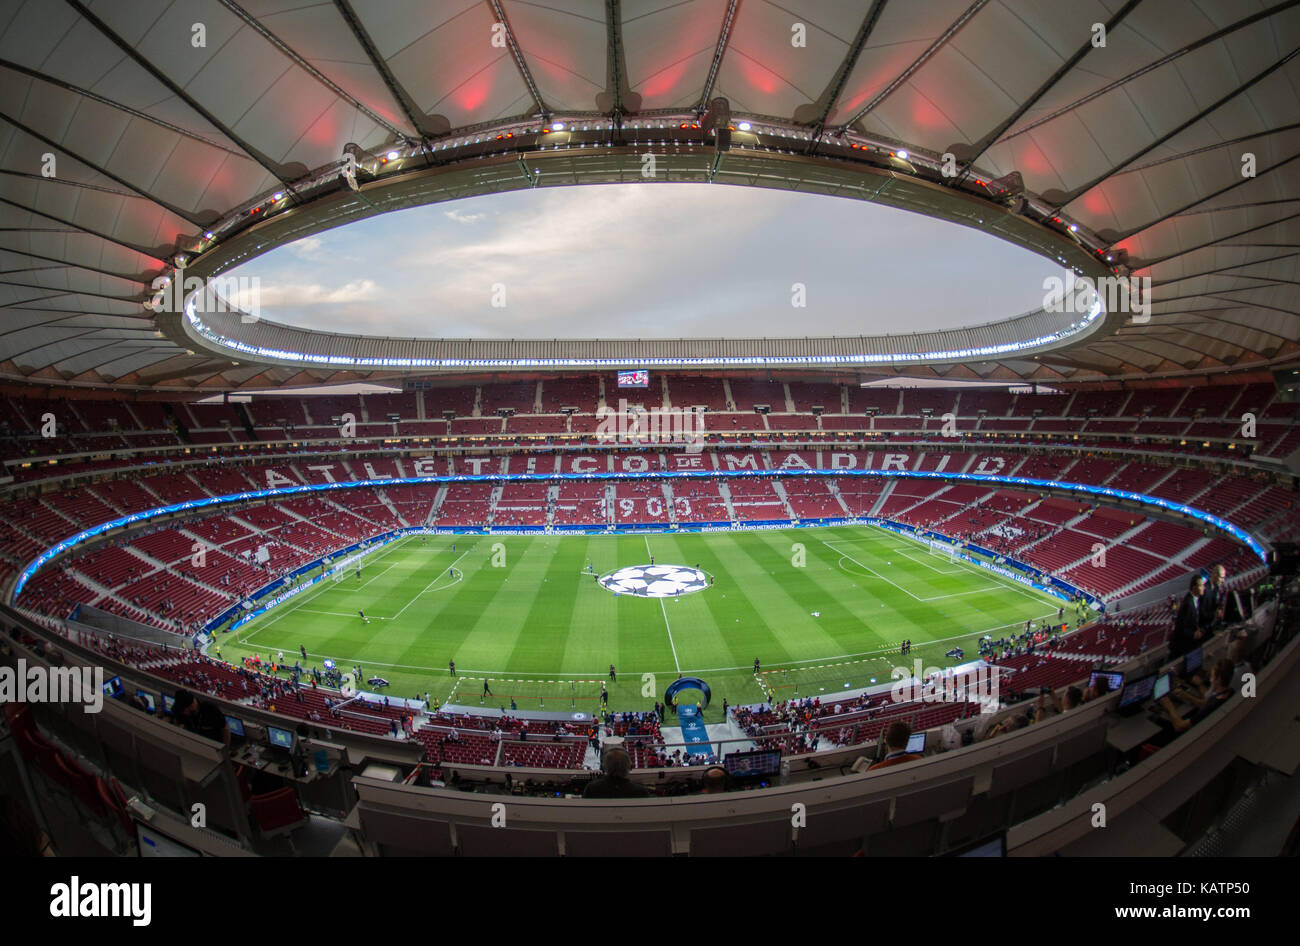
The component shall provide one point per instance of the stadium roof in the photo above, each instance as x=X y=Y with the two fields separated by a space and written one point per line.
x=1173 y=147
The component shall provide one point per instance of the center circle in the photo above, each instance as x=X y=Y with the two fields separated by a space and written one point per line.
x=654 y=581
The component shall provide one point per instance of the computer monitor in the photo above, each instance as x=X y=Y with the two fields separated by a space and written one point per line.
x=236 y=726
x=151 y=705
x=996 y=847
x=1192 y=662
x=1114 y=681
x=280 y=738
x=917 y=743
x=1161 y=688
x=153 y=843
x=169 y=703
x=113 y=688
x=761 y=763
x=1136 y=692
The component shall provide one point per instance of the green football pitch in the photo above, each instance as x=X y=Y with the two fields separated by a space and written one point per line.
x=821 y=608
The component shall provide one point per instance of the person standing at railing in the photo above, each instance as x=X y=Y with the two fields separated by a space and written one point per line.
x=1187 y=625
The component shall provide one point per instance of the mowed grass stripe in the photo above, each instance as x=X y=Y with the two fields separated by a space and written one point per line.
x=821 y=586
x=548 y=617
x=423 y=621
x=646 y=623
x=495 y=619
x=902 y=616
x=595 y=633
x=733 y=628
x=790 y=598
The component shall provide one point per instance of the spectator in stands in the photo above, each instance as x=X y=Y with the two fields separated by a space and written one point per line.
x=1220 y=691
x=1099 y=688
x=896 y=738
x=201 y=717
x=1187 y=625
x=1048 y=705
x=616 y=764
x=714 y=781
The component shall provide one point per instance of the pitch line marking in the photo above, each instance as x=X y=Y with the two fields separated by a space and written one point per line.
x=321 y=587
x=787 y=665
x=313 y=593
x=955 y=594
x=664 y=611
x=974 y=569
x=451 y=568
x=925 y=564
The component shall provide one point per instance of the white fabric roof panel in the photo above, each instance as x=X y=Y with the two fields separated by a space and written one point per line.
x=140 y=121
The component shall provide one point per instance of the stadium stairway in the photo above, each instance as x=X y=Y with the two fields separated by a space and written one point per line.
x=293 y=514
x=884 y=495
x=382 y=496
x=438 y=499
x=552 y=498
x=671 y=499
x=1119 y=541
x=726 y=499
x=779 y=488
x=839 y=498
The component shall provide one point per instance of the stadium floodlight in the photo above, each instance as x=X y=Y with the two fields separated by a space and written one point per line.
x=744 y=126
x=557 y=126
x=278 y=195
x=392 y=156
x=901 y=154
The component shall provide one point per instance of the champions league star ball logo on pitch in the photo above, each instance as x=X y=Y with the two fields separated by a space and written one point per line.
x=655 y=581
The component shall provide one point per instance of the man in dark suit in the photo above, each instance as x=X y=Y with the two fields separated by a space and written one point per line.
x=1213 y=601
x=1187 y=625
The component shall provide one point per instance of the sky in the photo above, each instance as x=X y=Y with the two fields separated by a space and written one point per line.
x=649 y=260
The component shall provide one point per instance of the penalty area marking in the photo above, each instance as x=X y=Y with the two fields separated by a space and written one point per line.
x=323 y=586
x=925 y=564
x=875 y=574
x=973 y=569
x=459 y=575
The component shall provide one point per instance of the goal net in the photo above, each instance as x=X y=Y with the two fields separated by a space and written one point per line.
x=942 y=549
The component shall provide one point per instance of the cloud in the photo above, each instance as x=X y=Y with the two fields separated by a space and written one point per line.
x=308 y=248
x=462 y=217
x=646 y=261
x=295 y=295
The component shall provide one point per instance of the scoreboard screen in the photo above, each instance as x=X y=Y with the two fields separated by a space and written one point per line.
x=634 y=379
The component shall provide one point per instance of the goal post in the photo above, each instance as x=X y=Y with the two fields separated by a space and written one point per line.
x=942 y=549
